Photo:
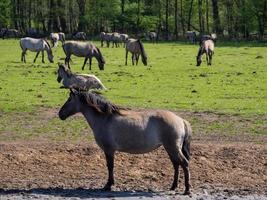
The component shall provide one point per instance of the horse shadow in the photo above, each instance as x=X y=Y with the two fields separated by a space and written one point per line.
x=79 y=193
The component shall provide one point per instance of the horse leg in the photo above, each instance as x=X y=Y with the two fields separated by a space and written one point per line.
x=133 y=56
x=137 y=58
x=207 y=58
x=90 y=63
x=36 y=56
x=110 y=165
x=85 y=60
x=43 y=57
x=22 y=56
x=173 y=155
x=210 y=56
x=185 y=166
x=126 y=57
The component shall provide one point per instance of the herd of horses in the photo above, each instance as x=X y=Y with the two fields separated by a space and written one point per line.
x=116 y=128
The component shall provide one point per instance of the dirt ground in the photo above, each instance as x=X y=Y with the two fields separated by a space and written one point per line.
x=235 y=165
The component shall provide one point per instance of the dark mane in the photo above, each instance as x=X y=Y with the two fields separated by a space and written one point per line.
x=100 y=54
x=143 y=53
x=47 y=43
x=66 y=70
x=99 y=103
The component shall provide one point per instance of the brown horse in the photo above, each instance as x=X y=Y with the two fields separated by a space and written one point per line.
x=135 y=132
x=207 y=47
x=136 y=47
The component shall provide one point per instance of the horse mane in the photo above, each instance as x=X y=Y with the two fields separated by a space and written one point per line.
x=67 y=71
x=99 y=103
x=143 y=53
x=47 y=43
x=101 y=57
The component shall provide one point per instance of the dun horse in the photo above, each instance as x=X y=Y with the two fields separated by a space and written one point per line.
x=135 y=132
x=207 y=47
x=35 y=45
x=80 y=82
x=136 y=48
x=83 y=49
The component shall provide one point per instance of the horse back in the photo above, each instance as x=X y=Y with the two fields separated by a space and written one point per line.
x=143 y=131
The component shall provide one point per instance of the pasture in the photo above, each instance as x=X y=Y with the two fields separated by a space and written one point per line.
x=235 y=84
x=224 y=102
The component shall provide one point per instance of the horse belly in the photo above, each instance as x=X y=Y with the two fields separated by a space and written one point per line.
x=137 y=142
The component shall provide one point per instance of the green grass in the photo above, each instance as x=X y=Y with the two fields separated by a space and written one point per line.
x=235 y=84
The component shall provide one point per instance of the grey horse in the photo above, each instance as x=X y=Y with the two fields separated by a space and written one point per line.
x=136 y=48
x=80 y=82
x=206 y=47
x=83 y=49
x=35 y=45
x=135 y=132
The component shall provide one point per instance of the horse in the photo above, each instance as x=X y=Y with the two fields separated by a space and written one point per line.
x=54 y=37
x=83 y=49
x=79 y=36
x=61 y=37
x=9 y=33
x=152 y=36
x=116 y=39
x=191 y=36
x=35 y=45
x=124 y=38
x=108 y=38
x=211 y=36
x=80 y=82
x=206 y=47
x=102 y=38
x=136 y=48
x=134 y=132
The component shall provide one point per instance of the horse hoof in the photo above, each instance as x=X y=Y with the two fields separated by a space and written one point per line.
x=106 y=188
x=187 y=192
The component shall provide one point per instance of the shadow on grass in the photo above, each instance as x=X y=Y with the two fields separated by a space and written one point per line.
x=79 y=193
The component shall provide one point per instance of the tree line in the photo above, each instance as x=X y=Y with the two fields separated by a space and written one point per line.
x=171 y=19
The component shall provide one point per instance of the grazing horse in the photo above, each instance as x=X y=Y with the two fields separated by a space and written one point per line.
x=134 y=132
x=80 y=82
x=206 y=47
x=83 y=49
x=102 y=38
x=61 y=37
x=152 y=36
x=35 y=45
x=79 y=36
x=191 y=36
x=9 y=33
x=116 y=39
x=136 y=48
x=124 y=38
x=211 y=36
x=54 y=37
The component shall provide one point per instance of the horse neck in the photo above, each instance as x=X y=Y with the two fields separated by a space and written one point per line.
x=95 y=120
x=200 y=51
x=47 y=48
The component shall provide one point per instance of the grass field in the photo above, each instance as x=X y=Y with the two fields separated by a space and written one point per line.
x=236 y=84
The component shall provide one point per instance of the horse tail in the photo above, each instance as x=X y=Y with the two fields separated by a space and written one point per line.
x=20 y=43
x=187 y=140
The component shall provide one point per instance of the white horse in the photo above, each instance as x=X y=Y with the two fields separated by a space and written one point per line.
x=35 y=45
x=61 y=37
x=54 y=37
x=80 y=82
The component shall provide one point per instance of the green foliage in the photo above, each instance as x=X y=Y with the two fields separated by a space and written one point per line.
x=4 y=14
